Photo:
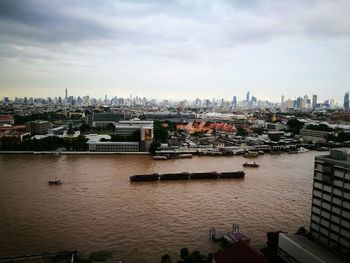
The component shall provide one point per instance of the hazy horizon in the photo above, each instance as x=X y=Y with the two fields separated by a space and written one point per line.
x=175 y=50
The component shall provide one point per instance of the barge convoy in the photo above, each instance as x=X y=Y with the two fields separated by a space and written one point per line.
x=186 y=176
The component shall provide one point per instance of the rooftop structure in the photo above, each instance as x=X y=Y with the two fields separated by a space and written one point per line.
x=240 y=252
x=295 y=248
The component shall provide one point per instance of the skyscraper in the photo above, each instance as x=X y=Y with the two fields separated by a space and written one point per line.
x=66 y=94
x=234 y=102
x=248 y=96
x=346 y=101
x=314 y=101
x=330 y=213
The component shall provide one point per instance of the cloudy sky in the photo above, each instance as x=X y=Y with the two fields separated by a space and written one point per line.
x=179 y=49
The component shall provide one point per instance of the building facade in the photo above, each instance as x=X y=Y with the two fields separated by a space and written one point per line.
x=37 y=127
x=330 y=216
x=346 y=102
x=114 y=147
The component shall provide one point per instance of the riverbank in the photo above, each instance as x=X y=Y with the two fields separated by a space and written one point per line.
x=73 y=153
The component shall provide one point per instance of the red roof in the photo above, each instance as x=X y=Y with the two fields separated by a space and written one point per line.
x=5 y=117
x=240 y=252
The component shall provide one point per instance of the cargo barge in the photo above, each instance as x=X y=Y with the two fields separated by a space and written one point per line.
x=174 y=176
x=144 y=177
x=210 y=175
x=186 y=176
x=226 y=175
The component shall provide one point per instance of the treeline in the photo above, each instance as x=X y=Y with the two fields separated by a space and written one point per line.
x=51 y=116
x=188 y=257
x=50 y=143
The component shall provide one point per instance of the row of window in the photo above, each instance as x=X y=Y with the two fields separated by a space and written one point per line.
x=334 y=224
x=329 y=238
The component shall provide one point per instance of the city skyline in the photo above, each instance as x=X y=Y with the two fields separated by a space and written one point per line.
x=179 y=50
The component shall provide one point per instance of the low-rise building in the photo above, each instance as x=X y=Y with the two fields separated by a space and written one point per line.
x=314 y=136
x=114 y=146
x=38 y=127
x=6 y=119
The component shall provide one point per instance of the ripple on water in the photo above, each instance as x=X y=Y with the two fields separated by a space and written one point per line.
x=98 y=208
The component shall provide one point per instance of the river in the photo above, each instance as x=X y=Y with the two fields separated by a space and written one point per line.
x=97 y=208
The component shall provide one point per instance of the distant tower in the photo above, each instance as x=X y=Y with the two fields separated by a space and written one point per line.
x=66 y=94
x=305 y=103
x=314 y=101
x=234 y=102
x=248 y=96
x=283 y=104
x=346 y=101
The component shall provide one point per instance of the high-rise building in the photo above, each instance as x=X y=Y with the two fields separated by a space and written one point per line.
x=306 y=101
x=234 y=102
x=299 y=103
x=283 y=104
x=330 y=213
x=346 y=101
x=314 y=101
x=332 y=104
x=248 y=96
x=66 y=94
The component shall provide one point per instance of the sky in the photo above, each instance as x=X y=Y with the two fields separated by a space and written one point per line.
x=180 y=49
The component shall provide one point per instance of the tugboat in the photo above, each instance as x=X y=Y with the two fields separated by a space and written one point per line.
x=55 y=181
x=250 y=164
x=251 y=154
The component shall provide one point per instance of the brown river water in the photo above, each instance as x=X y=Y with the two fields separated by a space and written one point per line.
x=97 y=208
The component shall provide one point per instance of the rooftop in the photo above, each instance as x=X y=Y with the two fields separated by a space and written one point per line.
x=339 y=157
x=240 y=252
x=313 y=249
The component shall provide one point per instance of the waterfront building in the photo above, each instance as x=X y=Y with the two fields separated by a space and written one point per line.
x=314 y=136
x=37 y=127
x=330 y=216
x=346 y=101
x=144 y=128
x=114 y=146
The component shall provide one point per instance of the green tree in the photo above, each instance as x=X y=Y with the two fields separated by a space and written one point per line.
x=294 y=125
x=84 y=128
x=154 y=146
x=184 y=253
x=165 y=259
x=160 y=132
x=70 y=129
x=241 y=131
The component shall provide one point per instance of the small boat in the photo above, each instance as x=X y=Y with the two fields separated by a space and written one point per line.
x=302 y=150
x=55 y=181
x=251 y=154
x=185 y=155
x=250 y=164
x=160 y=157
